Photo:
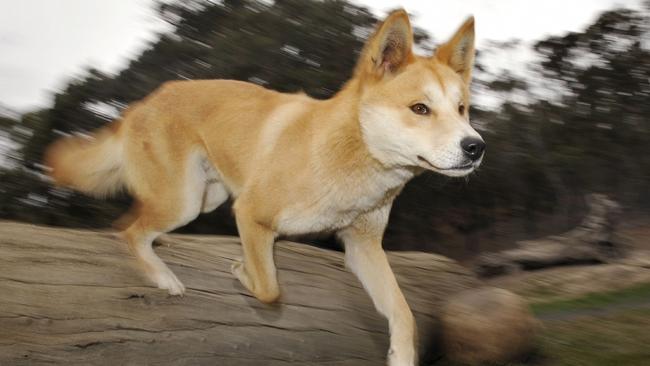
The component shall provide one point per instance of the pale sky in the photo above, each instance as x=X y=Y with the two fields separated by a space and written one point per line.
x=45 y=42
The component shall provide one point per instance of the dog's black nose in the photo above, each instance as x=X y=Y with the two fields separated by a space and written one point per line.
x=473 y=147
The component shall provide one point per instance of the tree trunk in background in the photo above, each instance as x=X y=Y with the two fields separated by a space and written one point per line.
x=76 y=297
x=595 y=240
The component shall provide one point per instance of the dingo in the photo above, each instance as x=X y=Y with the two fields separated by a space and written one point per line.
x=292 y=164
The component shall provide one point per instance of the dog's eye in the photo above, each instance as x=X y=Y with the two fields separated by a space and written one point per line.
x=419 y=108
x=461 y=108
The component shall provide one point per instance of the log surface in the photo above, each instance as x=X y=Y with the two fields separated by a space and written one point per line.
x=78 y=297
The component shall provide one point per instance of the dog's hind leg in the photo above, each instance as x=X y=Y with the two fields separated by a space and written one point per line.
x=139 y=237
x=167 y=200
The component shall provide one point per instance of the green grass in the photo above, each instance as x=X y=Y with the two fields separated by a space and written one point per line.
x=619 y=335
x=617 y=339
x=621 y=339
x=605 y=329
x=639 y=293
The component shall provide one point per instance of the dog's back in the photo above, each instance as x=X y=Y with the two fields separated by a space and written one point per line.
x=217 y=120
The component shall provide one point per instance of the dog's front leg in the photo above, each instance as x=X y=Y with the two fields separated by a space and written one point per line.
x=257 y=271
x=366 y=258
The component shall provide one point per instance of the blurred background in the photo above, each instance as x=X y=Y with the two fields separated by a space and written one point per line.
x=561 y=95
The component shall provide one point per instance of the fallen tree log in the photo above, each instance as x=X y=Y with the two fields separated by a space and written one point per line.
x=77 y=297
x=594 y=240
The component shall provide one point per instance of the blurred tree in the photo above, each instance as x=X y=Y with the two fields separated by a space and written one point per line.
x=287 y=45
x=543 y=155
x=603 y=127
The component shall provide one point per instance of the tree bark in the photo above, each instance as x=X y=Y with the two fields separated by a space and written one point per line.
x=77 y=297
x=594 y=240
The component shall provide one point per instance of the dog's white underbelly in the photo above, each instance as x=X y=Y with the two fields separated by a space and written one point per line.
x=296 y=221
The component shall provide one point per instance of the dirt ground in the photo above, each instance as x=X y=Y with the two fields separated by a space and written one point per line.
x=592 y=315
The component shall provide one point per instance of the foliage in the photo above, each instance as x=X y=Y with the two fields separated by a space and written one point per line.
x=542 y=157
x=635 y=295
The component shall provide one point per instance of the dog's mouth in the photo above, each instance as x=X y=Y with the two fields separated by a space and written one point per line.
x=457 y=169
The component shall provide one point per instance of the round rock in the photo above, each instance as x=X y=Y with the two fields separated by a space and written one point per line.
x=487 y=325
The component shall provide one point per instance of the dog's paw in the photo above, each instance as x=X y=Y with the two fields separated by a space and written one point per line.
x=167 y=280
x=237 y=269
x=403 y=358
x=266 y=293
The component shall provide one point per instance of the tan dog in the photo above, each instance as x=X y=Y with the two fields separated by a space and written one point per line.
x=292 y=164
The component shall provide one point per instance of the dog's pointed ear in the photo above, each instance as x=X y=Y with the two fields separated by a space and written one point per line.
x=458 y=52
x=388 y=50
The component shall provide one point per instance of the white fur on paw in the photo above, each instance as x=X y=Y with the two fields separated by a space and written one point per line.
x=237 y=269
x=400 y=358
x=167 y=280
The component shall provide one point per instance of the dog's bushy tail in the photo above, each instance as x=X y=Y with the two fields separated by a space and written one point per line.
x=92 y=165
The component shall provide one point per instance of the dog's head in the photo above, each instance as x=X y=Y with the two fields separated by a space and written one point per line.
x=413 y=110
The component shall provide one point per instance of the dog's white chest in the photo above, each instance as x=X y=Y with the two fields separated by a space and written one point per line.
x=340 y=207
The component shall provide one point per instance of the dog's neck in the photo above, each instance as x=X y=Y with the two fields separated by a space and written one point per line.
x=342 y=150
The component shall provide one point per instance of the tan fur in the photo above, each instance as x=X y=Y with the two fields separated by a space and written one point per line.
x=293 y=165
x=71 y=159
